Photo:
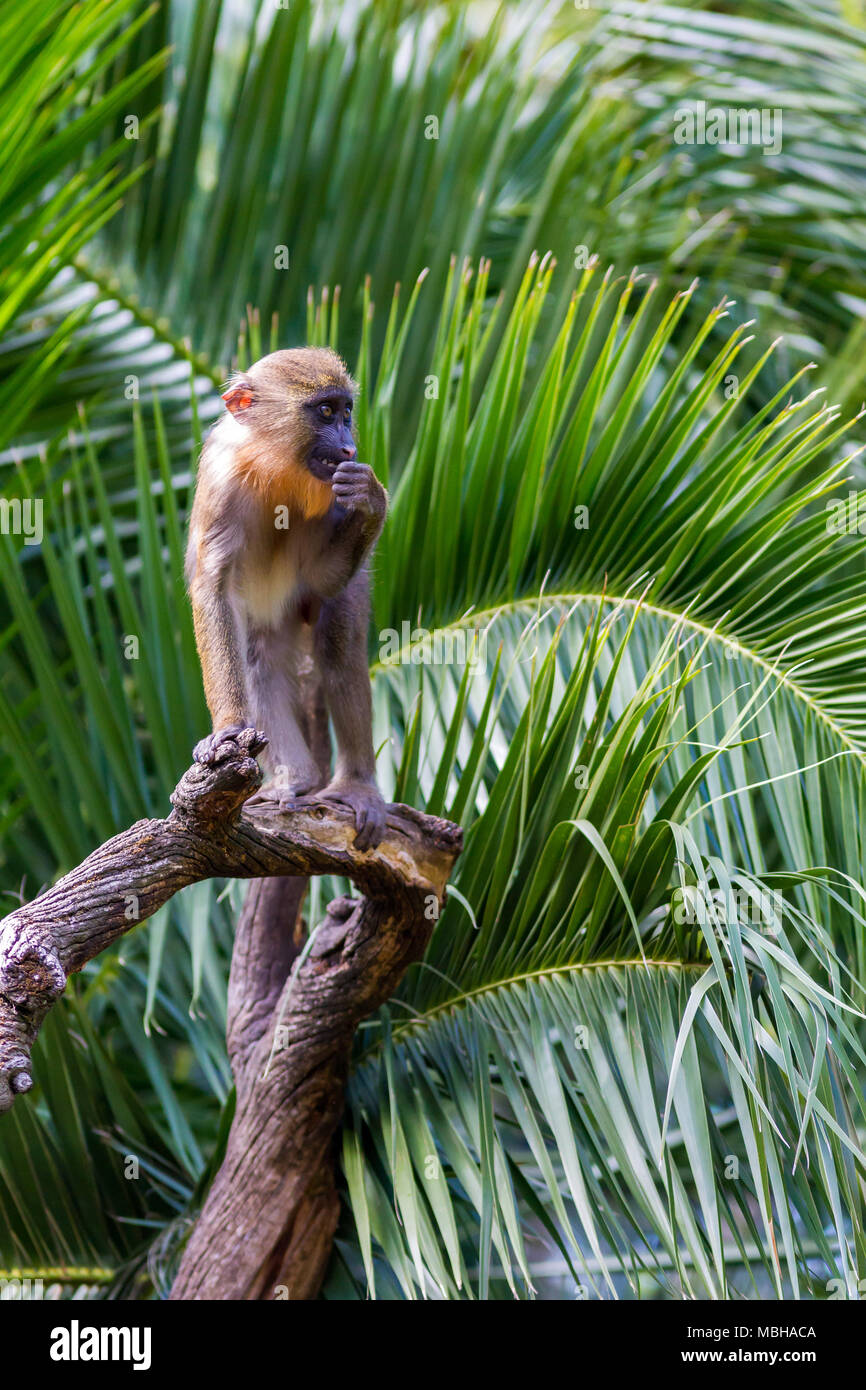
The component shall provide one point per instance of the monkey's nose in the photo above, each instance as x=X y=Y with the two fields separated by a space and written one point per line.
x=348 y=452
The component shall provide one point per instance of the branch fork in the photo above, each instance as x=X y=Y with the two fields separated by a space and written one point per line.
x=273 y=1202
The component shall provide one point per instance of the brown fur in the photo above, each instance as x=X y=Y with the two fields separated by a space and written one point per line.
x=271 y=463
x=282 y=482
x=266 y=597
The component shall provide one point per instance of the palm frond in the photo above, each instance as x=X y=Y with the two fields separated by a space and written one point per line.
x=54 y=193
x=604 y=480
x=628 y=1046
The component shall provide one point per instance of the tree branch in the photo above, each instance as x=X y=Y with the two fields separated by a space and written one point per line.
x=270 y=1215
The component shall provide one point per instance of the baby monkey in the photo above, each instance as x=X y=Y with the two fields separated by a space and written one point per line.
x=282 y=526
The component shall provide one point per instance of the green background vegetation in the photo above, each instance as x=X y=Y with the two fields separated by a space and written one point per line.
x=578 y=1090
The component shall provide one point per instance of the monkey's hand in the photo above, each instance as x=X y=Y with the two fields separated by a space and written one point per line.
x=365 y=799
x=207 y=749
x=357 y=489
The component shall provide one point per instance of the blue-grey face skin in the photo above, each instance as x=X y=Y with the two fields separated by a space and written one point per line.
x=330 y=415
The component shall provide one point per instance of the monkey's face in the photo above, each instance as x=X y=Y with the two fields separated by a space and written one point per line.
x=299 y=403
x=330 y=421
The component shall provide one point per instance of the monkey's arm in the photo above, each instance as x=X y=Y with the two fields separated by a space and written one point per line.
x=219 y=653
x=355 y=523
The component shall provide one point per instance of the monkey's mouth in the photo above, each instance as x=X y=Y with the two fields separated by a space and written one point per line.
x=322 y=467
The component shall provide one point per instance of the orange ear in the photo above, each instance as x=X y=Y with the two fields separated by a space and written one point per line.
x=238 y=397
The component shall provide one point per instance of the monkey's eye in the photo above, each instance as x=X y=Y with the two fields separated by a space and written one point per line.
x=326 y=411
x=348 y=412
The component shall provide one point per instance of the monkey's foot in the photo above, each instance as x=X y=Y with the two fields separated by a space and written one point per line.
x=284 y=797
x=207 y=749
x=365 y=799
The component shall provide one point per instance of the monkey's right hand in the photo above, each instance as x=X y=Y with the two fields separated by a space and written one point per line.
x=251 y=740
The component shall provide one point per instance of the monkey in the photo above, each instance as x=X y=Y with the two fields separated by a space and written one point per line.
x=282 y=526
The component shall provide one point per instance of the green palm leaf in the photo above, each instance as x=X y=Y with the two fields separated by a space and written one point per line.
x=631 y=1063
x=650 y=1074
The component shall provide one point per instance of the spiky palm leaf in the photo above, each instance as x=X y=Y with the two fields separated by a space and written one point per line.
x=292 y=120
x=625 y=1055
x=583 y=766
x=664 y=673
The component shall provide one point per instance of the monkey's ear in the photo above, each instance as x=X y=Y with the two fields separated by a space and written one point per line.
x=238 y=397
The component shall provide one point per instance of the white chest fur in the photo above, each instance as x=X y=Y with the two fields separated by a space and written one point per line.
x=269 y=579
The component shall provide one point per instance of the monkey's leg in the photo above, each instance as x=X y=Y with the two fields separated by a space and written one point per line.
x=340 y=643
x=273 y=669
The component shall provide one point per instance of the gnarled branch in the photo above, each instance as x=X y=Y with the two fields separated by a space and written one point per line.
x=269 y=1217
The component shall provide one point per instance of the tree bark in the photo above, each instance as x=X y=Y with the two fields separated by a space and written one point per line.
x=267 y=1225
